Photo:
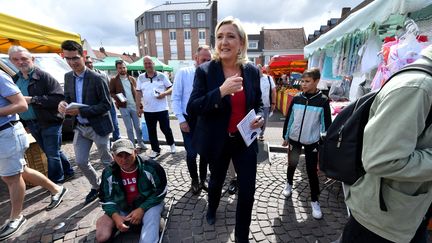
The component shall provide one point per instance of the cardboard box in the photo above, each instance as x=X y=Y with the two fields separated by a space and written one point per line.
x=36 y=158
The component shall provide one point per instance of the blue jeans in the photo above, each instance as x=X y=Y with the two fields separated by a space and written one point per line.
x=116 y=132
x=49 y=139
x=266 y=112
x=130 y=118
x=162 y=117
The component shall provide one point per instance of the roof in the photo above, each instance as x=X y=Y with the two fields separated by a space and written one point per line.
x=169 y=6
x=279 y=39
x=127 y=58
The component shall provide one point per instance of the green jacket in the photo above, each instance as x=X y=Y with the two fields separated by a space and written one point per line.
x=397 y=148
x=152 y=187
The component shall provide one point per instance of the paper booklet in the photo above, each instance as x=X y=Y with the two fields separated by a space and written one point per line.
x=75 y=105
x=121 y=97
x=244 y=127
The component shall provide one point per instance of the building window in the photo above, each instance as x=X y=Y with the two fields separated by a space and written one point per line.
x=173 y=35
x=160 y=53
x=201 y=36
x=171 y=18
x=137 y=24
x=156 y=18
x=173 y=52
x=187 y=35
x=186 y=19
x=188 y=51
x=201 y=16
x=142 y=20
x=253 y=45
x=158 y=34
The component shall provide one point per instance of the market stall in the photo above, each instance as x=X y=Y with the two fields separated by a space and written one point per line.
x=286 y=70
x=35 y=37
x=371 y=44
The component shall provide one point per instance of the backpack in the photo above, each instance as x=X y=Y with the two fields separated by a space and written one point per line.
x=341 y=149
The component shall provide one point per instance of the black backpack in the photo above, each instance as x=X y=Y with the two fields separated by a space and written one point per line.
x=341 y=149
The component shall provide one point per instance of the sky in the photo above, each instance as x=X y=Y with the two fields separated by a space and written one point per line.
x=110 y=23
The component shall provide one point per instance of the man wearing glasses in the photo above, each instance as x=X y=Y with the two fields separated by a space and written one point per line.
x=42 y=93
x=93 y=124
x=116 y=132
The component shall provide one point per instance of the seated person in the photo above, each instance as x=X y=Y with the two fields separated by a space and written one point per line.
x=132 y=192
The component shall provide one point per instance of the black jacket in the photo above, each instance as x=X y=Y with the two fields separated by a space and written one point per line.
x=212 y=111
x=96 y=95
x=47 y=94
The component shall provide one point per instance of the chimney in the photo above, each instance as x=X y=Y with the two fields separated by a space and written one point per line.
x=345 y=11
x=101 y=49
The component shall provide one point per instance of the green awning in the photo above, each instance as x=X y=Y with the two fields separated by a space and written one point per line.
x=139 y=65
x=108 y=63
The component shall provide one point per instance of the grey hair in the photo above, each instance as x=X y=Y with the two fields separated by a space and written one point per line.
x=14 y=49
x=242 y=56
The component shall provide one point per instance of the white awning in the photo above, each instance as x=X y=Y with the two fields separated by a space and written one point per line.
x=377 y=11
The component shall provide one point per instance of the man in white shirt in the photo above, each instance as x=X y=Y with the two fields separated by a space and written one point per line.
x=152 y=88
x=182 y=88
x=268 y=96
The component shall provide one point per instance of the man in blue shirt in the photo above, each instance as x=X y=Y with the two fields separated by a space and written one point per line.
x=93 y=120
x=182 y=88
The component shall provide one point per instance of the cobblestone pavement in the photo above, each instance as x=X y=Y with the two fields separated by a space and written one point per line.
x=274 y=218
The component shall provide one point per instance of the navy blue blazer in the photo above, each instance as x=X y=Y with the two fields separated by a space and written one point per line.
x=96 y=95
x=212 y=111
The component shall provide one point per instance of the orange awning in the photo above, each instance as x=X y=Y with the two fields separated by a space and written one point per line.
x=285 y=64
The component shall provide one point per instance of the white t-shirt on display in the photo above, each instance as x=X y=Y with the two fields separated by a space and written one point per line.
x=149 y=88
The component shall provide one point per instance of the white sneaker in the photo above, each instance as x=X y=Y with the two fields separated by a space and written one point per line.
x=142 y=145
x=153 y=154
x=287 y=190
x=316 y=210
x=173 y=148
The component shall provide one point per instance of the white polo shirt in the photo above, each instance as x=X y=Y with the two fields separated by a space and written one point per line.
x=148 y=87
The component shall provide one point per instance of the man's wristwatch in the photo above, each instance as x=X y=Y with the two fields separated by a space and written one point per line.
x=33 y=100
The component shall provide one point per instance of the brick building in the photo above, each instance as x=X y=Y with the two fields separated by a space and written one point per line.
x=173 y=31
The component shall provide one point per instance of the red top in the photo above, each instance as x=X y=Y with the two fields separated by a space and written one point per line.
x=130 y=184
x=238 y=110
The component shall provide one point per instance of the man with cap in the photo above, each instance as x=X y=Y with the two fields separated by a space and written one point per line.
x=132 y=192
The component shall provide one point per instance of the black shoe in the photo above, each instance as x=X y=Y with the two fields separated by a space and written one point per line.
x=203 y=186
x=195 y=188
x=56 y=199
x=68 y=177
x=93 y=194
x=232 y=188
x=11 y=227
x=238 y=240
x=211 y=217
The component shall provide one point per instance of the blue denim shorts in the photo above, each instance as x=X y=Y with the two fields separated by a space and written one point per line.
x=13 y=144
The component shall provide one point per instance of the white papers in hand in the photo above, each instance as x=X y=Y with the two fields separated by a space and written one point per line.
x=121 y=97
x=244 y=127
x=75 y=105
